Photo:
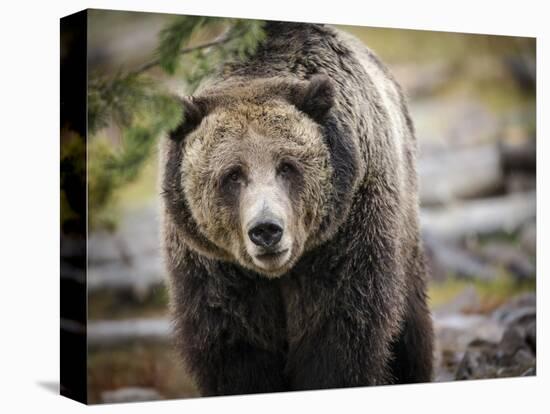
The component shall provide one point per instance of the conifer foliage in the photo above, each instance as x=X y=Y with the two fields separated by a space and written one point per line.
x=142 y=109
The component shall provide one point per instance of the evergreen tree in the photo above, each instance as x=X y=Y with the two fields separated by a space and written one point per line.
x=142 y=110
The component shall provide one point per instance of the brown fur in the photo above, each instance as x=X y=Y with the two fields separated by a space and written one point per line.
x=347 y=307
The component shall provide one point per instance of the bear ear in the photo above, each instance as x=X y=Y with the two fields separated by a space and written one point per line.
x=194 y=110
x=314 y=97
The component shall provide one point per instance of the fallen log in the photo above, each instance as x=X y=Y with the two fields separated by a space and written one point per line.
x=460 y=174
x=479 y=217
x=117 y=332
x=474 y=172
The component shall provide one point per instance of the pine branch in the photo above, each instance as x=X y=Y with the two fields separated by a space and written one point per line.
x=143 y=110
x=155 y=62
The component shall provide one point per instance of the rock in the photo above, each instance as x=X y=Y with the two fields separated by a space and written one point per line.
x=130 y=394
x=525 y=358
x=445 y=365
x=476 y=362
x=531 y=371
x=518 y=308
x=455 y=331
x=510 y=316
x=531 y=335
x=515 y=353
x=491 y=360
x=512 y=342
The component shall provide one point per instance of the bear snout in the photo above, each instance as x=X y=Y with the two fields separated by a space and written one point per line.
x=268 y=243
x=266 y=234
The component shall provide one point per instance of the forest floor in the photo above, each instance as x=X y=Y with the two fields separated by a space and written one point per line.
x=484 y=328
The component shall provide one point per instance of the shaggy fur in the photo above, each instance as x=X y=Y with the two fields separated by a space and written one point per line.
x=349 y=307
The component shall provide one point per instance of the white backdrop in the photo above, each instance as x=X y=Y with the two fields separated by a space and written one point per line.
x=29 y=218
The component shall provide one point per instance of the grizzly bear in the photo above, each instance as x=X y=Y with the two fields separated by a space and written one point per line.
x=290 y=222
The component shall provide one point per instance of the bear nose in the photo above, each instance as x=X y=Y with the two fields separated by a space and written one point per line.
x=266 y=234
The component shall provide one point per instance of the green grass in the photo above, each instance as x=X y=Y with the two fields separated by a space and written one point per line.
x=491 y=294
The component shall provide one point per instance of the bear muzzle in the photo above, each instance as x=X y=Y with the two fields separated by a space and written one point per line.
x=266 y=234
x=267 y=245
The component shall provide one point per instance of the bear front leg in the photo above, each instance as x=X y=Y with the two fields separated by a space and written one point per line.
x=413 y=350
x=341 y=352
x=350 y=316
x=237 y=369
x=229 y=330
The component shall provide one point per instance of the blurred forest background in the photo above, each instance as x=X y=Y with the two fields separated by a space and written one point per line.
x=472 y=99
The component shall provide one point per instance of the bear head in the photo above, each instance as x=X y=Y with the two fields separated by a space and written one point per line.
x=247 y=174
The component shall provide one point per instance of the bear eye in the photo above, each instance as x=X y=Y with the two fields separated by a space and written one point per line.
x=235 y=175
x=286 y=168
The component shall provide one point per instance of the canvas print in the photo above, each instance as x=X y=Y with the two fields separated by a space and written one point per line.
x=254 y=206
